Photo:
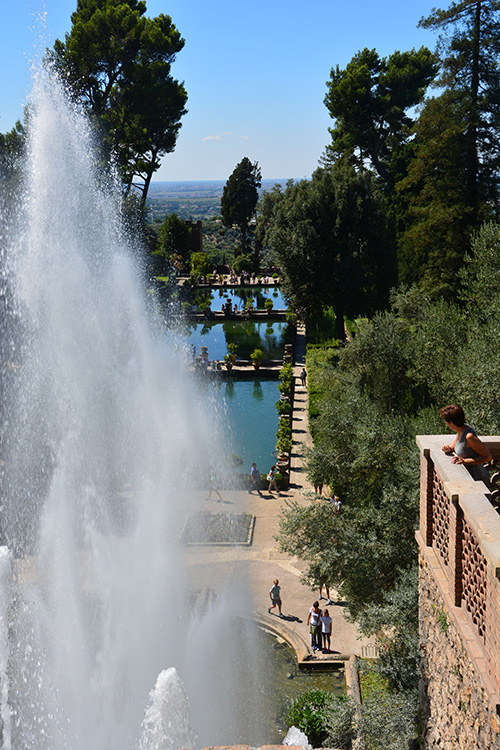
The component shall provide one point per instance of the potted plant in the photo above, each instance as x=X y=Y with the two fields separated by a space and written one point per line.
x=284 y=444
x=286 y=373
x=283 y=406
x=230 y=357
x=284 y=388
x=268 y=304
x=256 y=356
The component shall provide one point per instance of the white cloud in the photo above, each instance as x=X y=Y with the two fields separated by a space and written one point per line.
x=217 y=137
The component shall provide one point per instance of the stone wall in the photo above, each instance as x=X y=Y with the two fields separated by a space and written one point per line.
x=457 y=713
x=459 y=554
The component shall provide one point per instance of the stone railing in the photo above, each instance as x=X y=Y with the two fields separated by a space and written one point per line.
x=459 y=539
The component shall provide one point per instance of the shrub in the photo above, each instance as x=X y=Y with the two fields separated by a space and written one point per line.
x=232 y=350
x=268 y=304
x=199 y=264
x=242 y=263
x=284 y=429
x=283 y=407
x=325 y=718
x=286 y=373
x=389 y=722
x=340 y=723
x=284 y=388
x=257 y=355
x=284 y=444
x=284 y=433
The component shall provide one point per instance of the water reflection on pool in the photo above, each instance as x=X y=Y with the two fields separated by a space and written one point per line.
x=250 y=410
x=270 y=336
x=240 y=295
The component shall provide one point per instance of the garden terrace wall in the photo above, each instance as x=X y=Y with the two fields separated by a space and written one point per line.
x=459 y=558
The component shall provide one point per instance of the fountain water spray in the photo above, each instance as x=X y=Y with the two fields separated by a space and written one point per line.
x=103 y=433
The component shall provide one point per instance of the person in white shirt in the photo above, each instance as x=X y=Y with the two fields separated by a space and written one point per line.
x=326 y=630
x=314 y=622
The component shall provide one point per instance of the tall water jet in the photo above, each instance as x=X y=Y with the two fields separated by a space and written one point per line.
x=103 y=435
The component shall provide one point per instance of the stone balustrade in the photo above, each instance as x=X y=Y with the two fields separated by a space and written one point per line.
x=459 y=544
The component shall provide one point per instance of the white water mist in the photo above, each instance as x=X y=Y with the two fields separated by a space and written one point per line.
x=104 y=433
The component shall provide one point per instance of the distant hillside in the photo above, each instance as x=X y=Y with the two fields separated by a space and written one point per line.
x=191 y=200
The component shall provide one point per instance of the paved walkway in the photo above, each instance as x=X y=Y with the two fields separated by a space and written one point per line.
x=261 y=563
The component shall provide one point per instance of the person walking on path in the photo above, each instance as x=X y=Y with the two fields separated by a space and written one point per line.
x=326 y=630
x=213 y=487
x=313 y=620
x=303 y=377
x=323 y=582
x=275 y=596
x=255 y=479
x=271 y=478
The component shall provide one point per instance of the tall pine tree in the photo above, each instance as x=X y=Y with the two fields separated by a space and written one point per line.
x=240 y=196
x=469 y=48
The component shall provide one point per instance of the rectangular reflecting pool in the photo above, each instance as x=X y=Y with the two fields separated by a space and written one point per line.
x=250 y=409
x=240 y=295
x=270 y=336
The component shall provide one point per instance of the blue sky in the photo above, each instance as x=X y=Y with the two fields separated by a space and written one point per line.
x=255 y=72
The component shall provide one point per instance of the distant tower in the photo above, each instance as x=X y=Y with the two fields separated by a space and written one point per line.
x=195 y=239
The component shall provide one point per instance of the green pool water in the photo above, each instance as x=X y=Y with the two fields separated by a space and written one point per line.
x=269 y=684
x=286 y=682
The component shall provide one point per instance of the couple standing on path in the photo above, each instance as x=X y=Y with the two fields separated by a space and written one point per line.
x=320 y=628
x=255 y=479
x=319 y=622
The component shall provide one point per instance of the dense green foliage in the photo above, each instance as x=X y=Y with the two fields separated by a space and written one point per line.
x=452 y=179
x=369 y=102
x=199 y=264
x=172 y=246
x=387 y=723
x=371 y=398
x=435 y=232
x=117 y=62
x=329 y=236
x=326 y=719
x=438 y=167
x=470 y=44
